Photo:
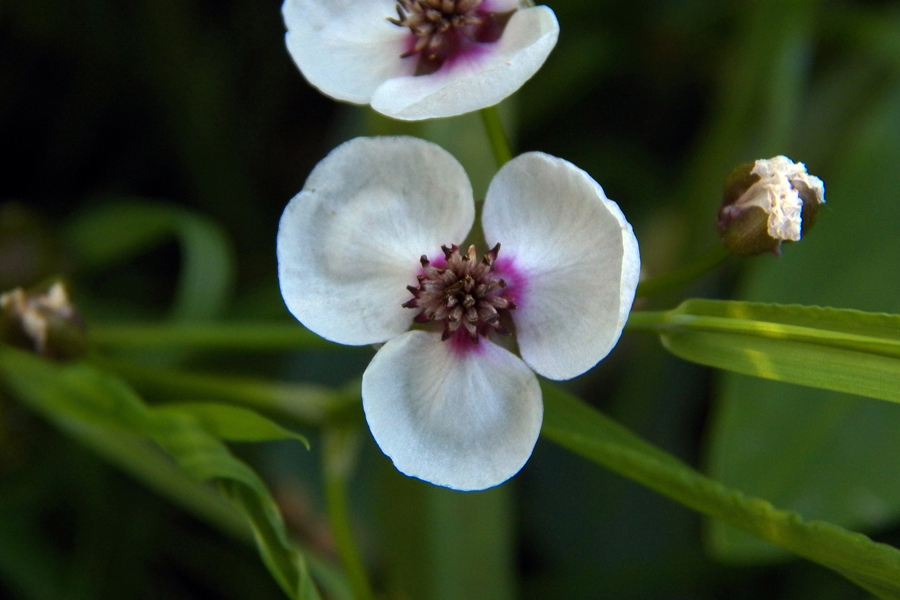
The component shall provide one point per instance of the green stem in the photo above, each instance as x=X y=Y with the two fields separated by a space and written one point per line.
x=646 y=321
x=213 y=336
x=304 y=403
x=686 y=274
x=493 y=126
x=340 y=447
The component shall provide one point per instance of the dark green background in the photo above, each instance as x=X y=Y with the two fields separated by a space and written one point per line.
x=193 y=113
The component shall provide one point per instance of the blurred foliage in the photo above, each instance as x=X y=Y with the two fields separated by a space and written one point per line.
x=192 y=111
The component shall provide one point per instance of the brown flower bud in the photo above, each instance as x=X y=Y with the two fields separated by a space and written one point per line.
x=766 y=203
x=43 y=321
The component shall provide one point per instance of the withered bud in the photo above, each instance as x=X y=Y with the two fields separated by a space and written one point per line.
x=768 y=202
x=43 y=321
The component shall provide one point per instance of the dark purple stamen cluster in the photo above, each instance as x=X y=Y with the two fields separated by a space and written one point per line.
x=444 y=27
x=465 y=294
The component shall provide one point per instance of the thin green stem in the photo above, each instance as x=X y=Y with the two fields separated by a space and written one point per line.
x=212 y=336
x=340 y=447
x=493 y=126
x=686 y=274
x=646 y=321
x=303 y=403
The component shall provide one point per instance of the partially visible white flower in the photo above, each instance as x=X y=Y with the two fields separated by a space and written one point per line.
x=368 y=253
x=768 y=202
x=419 y=59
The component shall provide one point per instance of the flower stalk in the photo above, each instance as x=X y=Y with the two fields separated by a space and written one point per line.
x=340 y=448
x=248 y=335
x=493 y=126
x=299 y=403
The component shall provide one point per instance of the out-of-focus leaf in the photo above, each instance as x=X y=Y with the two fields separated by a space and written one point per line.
x=222 y=336
x=79 y=397
x=576 y=426
x=340 y=451
x=113 y=232
x=763 y=75
x=446 y=544
x=26 y=566
x=823 y=454
x=842 y=350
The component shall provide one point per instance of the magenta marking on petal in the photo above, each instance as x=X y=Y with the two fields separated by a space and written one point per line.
x=461 y=345
x=516 y=280
x=438 y=260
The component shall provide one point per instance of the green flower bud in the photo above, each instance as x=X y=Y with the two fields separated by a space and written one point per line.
x=43 y=321
x=768 y=202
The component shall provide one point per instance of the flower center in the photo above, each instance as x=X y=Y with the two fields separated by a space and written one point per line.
x=442 y=28
x=464 y=294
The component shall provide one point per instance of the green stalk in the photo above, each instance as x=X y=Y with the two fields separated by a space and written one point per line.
x=304 y=403
x=493 y=126
x=212 y=336
x=646 y=321
x=339 y=452
x=686 y=274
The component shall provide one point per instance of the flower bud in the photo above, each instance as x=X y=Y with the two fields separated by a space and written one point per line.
x=43 y=321
x=768 y=202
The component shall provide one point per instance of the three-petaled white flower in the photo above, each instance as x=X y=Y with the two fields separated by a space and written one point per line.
x=419 y=59
x=366 y=251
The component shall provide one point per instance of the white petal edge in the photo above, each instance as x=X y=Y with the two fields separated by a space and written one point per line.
x=477 y=82
x=466 y=421
x=576 y=262
x=349 y=243
x=346 y=48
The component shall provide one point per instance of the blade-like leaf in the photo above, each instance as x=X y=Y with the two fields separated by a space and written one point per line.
x=834 y=349
x=574 y=425
x=233 y=423
x=85 y=399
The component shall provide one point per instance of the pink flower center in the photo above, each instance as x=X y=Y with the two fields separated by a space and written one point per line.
x=442 y=29
x=464 y=295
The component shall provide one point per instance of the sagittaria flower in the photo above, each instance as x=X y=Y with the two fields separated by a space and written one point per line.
x=370 y=252
x=419 y=59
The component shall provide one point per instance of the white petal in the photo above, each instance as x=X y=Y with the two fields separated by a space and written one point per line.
x=501 y=6
x=349 y=243
x=467 y=420
x=474 y=82
x=575 y=262
x=346 y=48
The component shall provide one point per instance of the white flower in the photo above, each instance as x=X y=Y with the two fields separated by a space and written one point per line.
x=419 y=59
x=360 y=261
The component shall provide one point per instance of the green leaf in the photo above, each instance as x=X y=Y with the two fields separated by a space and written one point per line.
x=302 y=402
x=113 y=232
x=233 y=423
x=81 y=398
x=574 y=425
x=242 y=336
x=824 y=454
x=446 y=544
x=834 y=349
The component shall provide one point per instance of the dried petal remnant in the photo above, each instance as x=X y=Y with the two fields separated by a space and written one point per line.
x=444 y=27
x=44 y=321
x=465 y=294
